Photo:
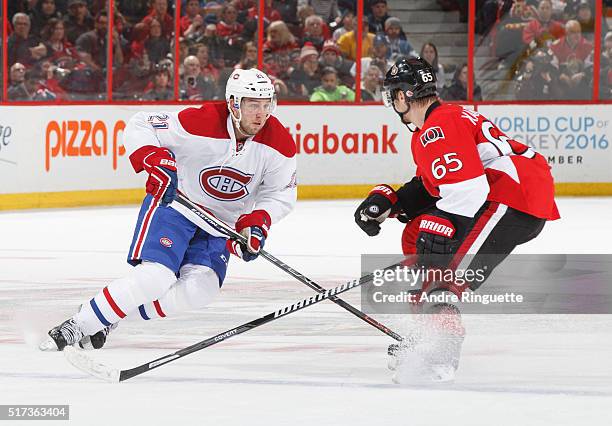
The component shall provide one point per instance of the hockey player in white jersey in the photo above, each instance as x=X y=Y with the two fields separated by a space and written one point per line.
x=235 y=160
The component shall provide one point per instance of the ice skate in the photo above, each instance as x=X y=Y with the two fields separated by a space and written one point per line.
x=66 y=334
x=434 y=358
x=97 y=340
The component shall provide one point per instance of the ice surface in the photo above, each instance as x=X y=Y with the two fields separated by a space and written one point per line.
x=320 y=366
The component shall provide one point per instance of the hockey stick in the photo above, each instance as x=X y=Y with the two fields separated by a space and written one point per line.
x=181 y=203
x=81 y=360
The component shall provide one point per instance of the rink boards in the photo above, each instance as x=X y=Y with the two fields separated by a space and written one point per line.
x=53 y=156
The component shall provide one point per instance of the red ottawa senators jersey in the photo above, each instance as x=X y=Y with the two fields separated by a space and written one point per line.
x=464 y=159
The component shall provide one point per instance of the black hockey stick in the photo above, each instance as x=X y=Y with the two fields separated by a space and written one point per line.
x=84 y=362
x=223 y=228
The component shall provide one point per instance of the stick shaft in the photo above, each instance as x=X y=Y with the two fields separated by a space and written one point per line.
x=230 y=232
x=272 y=316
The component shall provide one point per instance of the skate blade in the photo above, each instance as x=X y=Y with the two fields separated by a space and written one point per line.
x=48 y=345
x=85 y=363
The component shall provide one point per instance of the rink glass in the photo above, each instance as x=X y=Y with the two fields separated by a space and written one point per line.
x=500 y=67
x=512 y=62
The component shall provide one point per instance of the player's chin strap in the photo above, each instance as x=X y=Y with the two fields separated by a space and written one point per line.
x=408 y=124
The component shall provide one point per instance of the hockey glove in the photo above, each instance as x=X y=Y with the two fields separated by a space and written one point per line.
x=254 y=227
x=162 y=181
x=440 y=235
x=375 y=209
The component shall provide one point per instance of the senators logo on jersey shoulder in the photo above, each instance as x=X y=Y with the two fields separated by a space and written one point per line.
x=225 y=184
x=431 y=135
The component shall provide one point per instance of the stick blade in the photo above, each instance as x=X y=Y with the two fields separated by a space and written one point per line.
x=81 y=360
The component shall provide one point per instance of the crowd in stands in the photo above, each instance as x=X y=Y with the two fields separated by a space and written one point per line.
x=546 y=47
x=58 y=49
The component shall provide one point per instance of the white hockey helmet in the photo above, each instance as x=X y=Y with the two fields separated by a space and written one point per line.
x=250 y=83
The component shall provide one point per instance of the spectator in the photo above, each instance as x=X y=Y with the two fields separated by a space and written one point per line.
x=229 y=26
x=370 y=86
x=584 y=16
x=271 y=14
x=398 y=45
x=156 y=45
x=313 y=32
x=331 y=57
x=288 y=10
x=457 y=91
x=522 y=11
x=159 y=11
x=59 y=51
x=539 y=81
x=92 y=45
x=378 y=16
x=194 y=86
x=208 y=70
x=22 y=46
x=43 y=11
x=215 y=46
x=303 y=12
x=17 y=90
x=230 y=31
x=305 y=78
x=379 y=58
x=571 y=46
x=329 y=90
x=348 y=43
x=78 y=21
x=138 y=68
x=543 y=30
x=162 y=88
x=192 y=21
x=348 y=19
x=280 y=50
x=605 y=70
x=575 y=80
x=133 y=10
x=429 y=52
x=49 y=88
x=326 y=9
x=249 y=57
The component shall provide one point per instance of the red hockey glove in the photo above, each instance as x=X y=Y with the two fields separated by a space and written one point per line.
x=254 y=226
x=163 y=180
x=375 y=209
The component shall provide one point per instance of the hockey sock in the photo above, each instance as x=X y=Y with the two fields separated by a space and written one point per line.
x=145 y=282
x=197 y=287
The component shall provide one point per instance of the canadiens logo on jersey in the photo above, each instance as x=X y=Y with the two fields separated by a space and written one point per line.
x=225 y=184
x=431 y=135
x=158 y=121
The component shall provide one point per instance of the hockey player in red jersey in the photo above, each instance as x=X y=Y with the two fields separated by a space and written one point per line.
x=237 y=161
x=476 y=192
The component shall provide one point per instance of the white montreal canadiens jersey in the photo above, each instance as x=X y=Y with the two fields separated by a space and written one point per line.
x=211 y=171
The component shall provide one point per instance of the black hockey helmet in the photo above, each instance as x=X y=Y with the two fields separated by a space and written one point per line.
x=413 y=76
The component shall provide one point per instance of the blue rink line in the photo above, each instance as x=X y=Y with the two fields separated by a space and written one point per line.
x=315 y=384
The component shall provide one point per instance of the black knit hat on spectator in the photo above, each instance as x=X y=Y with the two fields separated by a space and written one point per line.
x=75 y=2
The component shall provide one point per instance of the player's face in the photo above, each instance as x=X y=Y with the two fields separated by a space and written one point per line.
x=400 y=104
x=255 y=112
